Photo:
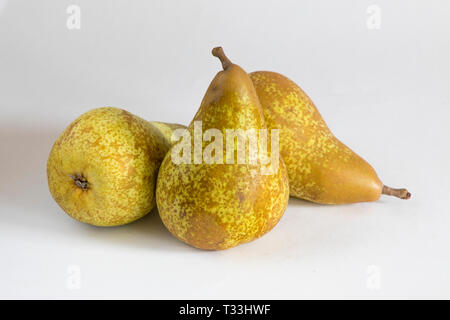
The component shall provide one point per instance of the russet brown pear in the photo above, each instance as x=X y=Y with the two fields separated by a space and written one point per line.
x=217 y=206
x=321 y=168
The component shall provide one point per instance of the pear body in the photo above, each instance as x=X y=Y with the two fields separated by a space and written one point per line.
x=218 y=206
x=321 y=168
x=102 y=169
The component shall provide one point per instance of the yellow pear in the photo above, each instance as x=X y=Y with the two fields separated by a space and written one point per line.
x=102 y=169
x=220 y=204
x=321 y=168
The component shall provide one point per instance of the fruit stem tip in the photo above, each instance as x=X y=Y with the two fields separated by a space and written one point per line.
x=218 y=52
x=399 y=193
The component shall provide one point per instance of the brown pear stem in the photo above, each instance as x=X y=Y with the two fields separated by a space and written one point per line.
x=218 y=52
x=399 y=193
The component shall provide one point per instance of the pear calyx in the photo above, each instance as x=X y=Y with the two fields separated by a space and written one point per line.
x=80 y=181
x=399 y=193
x=218 y=52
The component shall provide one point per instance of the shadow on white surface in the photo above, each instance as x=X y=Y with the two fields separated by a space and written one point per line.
x=303 y=203
x=23 y=166
x=28 y=206
x=147 y=233
x=345 y=209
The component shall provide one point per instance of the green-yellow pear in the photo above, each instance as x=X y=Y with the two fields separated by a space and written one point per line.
x=220 y=204
x=321 y=168
x=102 y=169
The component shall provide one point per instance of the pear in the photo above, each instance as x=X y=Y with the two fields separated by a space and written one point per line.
x=321 y=168
x=102 y=169
x=218 y=205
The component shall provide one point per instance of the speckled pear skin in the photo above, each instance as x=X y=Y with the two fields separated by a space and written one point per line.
x=116 y=155
x=321 y=168
x=219 y=206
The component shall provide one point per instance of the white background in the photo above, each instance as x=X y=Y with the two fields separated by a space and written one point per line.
x=384 y=92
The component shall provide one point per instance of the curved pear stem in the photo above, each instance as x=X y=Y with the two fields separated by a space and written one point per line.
x=399 y=193
x=218 y=52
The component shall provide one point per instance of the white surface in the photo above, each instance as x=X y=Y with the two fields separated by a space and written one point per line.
x=383 y=92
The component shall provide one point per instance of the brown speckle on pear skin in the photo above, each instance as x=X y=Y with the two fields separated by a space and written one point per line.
x=321 y=168
x=219 y=206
